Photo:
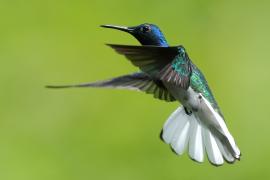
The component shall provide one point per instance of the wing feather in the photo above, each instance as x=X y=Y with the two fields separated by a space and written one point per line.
x=170 y=64
x=137 y=81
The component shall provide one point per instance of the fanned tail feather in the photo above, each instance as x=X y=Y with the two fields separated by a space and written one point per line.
x=185 y=132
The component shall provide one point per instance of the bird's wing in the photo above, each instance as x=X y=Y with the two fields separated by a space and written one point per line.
x=136 y=81
x=169 y=64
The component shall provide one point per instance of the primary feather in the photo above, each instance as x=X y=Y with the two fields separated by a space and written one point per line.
x=136 y=81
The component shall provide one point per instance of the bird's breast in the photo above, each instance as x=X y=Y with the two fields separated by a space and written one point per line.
x=189 y=98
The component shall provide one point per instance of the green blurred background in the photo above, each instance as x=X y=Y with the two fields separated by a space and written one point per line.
x=79 y=134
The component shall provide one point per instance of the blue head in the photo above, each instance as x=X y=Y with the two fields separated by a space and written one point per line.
x=146 y=34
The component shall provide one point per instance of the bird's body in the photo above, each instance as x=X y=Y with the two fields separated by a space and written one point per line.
x=170 y=75
x=199 y=84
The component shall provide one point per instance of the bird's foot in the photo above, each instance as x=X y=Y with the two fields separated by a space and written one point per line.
x=187 y=111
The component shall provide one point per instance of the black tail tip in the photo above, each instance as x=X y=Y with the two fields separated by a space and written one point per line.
x=161 y=135
x=173 y=151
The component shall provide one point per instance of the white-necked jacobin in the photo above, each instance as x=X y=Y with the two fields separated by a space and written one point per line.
x=168 y=73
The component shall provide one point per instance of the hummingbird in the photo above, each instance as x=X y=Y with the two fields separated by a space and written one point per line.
x=198 y=125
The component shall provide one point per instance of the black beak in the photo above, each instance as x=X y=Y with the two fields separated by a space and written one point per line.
x=121 y=28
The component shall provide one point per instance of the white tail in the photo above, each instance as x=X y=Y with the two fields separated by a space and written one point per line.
x=184 y=131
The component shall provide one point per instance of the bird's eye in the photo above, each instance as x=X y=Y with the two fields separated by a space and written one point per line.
x=146 y=29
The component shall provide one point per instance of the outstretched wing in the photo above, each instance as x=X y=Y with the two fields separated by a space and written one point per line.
x=136 y=81
x=169 y=64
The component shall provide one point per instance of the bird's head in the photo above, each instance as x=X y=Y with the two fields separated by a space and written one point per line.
x=146 y=34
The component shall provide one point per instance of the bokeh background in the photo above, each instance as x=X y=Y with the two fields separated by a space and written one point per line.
x=79 y=134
